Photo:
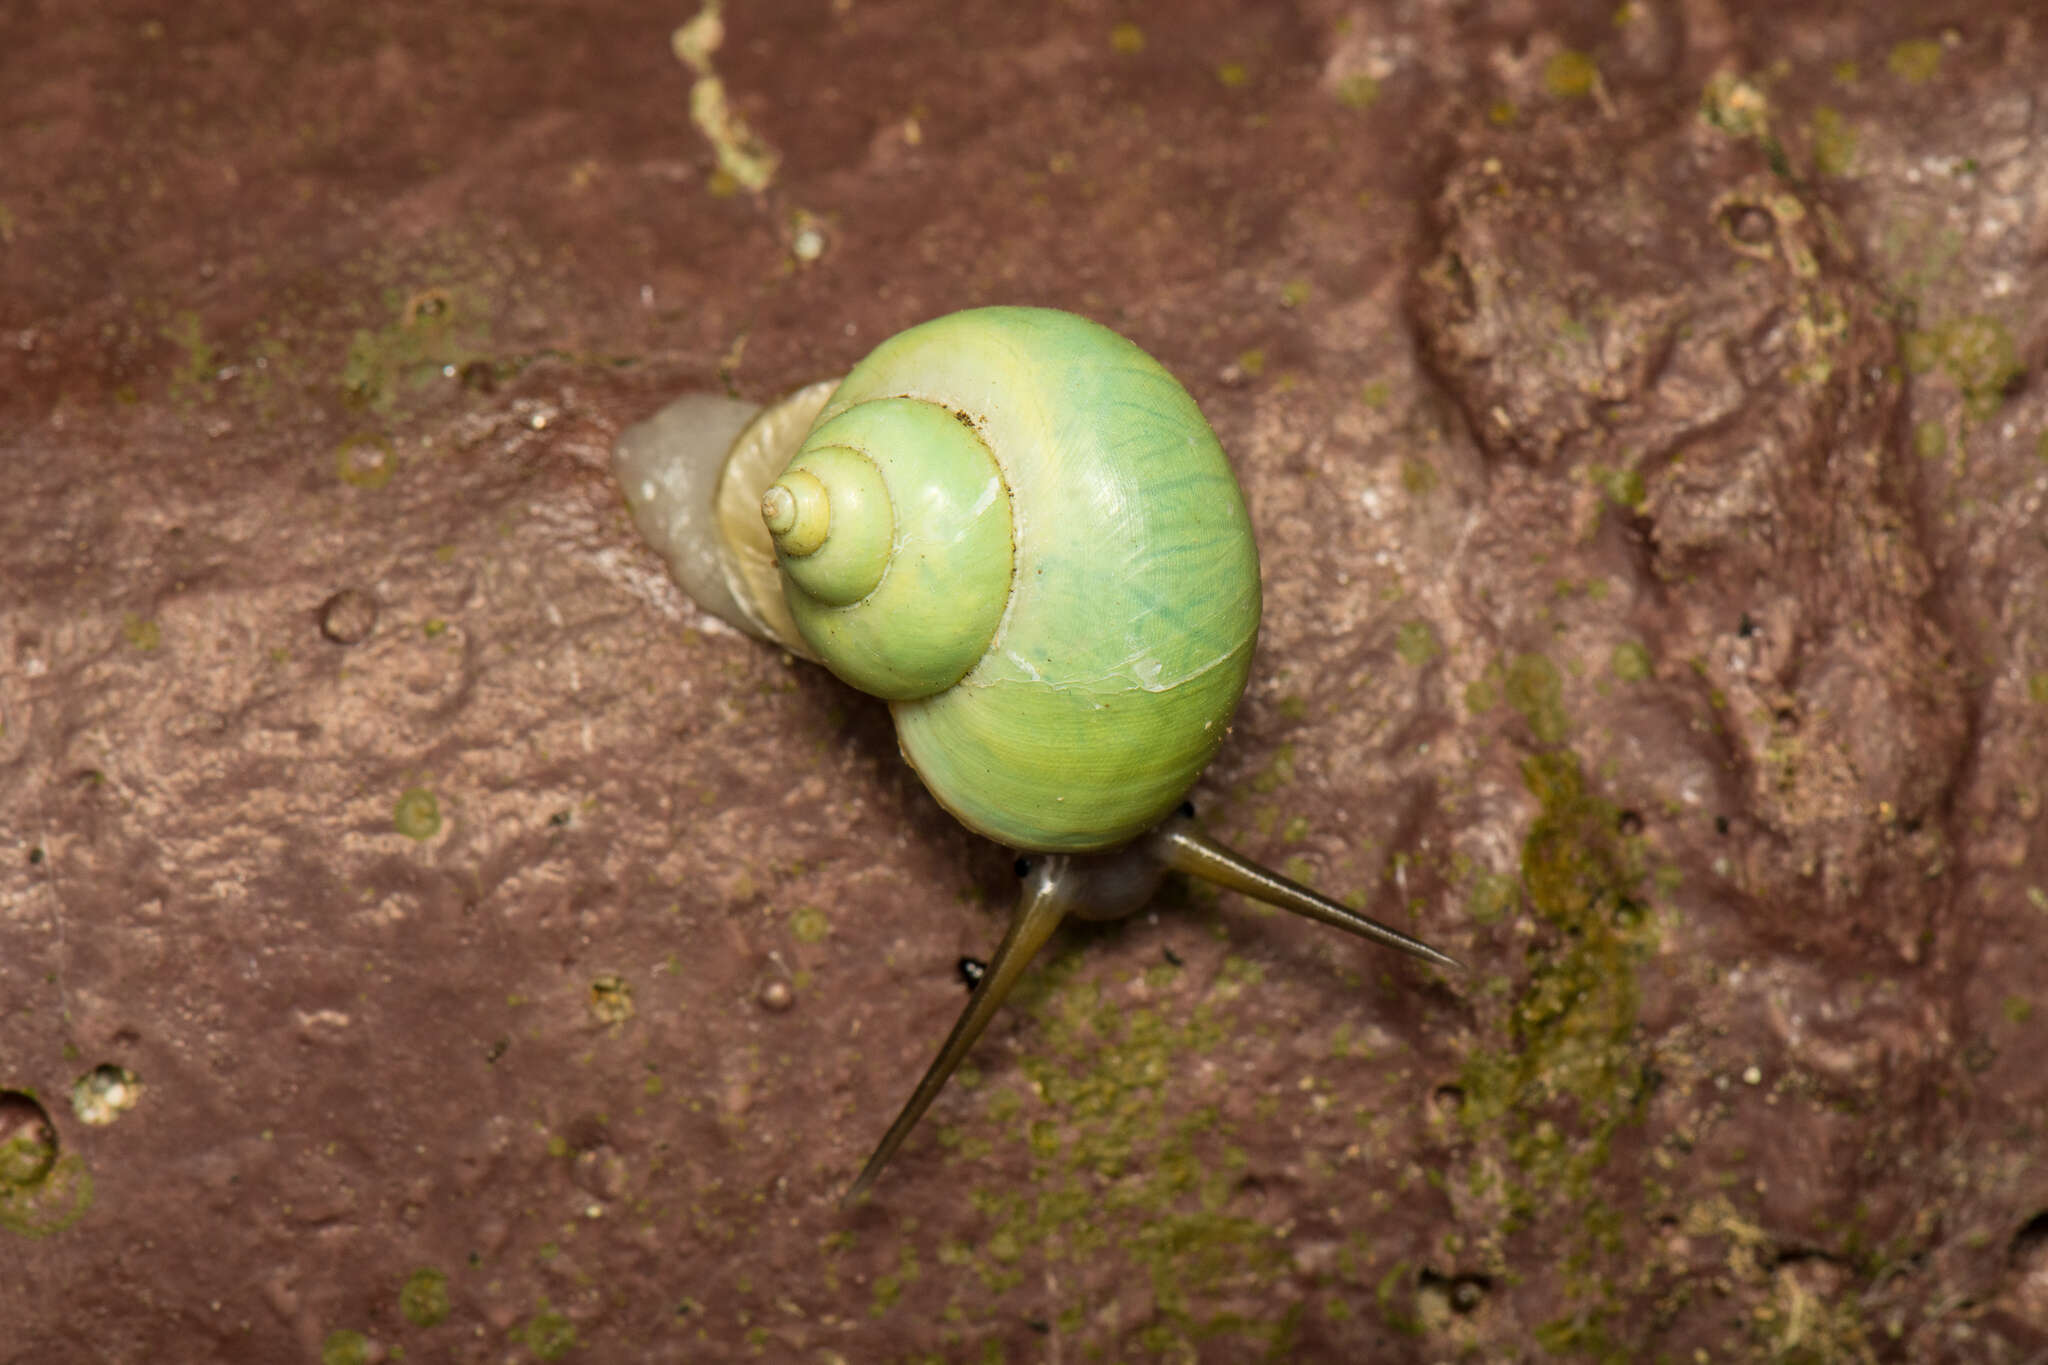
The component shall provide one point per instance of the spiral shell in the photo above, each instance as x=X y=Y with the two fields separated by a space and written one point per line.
x=1067 y=594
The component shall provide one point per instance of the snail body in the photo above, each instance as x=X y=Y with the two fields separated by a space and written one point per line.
x=1017 y=528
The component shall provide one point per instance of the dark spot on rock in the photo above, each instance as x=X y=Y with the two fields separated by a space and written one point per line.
x=2030 y=1243
x=1462 y=1293
x=586 y=1132
x=425 y=306
x=348 y=617
x=971 y=970
x=28 y=1141
x=1749 y=224
x=600 y=1171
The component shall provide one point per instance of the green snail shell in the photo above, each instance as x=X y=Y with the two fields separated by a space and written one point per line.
x=1057 y=589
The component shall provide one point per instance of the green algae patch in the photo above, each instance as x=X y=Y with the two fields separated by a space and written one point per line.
x=1975 y=352
x=1571 y=1060
x=1631 y=662
x=28 y=1153
x=1418 y=477
x=1118 y=1172
x=1397 y=1309
x=1491 y=897
x=365 y=460
x=1276 y=774
x=417 y=815
x=1534 y=689
x=1930 y=441
x=345 y=1346
x=141 y=632
x=1915 y=62
x=889 y=1288
x=192 y=374
x=1621 y=487
x=1570 y=1072
x=434 y=332
x=1797 y=1325
x=1416 y=643
x=1834 y=143
x=1357 y=92
x=424 y=1298
x=1482 y=694
x=1570 y=75
x=49 y=1203
x=548 y=1333
x=809 y=924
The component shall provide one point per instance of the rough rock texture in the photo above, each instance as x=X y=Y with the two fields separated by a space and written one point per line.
x=424 y=935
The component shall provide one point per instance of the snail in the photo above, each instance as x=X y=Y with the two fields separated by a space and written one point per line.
x=1016 y=527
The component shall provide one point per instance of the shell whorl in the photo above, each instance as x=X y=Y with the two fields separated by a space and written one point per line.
x=896 y=552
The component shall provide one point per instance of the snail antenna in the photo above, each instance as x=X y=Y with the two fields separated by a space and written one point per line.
x=1180 y=845
x=1043 y=902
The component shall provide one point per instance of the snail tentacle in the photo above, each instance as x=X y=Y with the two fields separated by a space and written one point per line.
x=1178 y=844
x=1043 y=903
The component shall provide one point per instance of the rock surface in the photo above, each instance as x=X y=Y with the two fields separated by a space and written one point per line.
x=424 y=934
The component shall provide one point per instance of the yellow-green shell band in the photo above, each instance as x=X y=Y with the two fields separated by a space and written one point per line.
x=797 y=510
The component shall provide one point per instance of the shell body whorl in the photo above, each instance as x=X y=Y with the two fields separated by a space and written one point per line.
x=1119 y=637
